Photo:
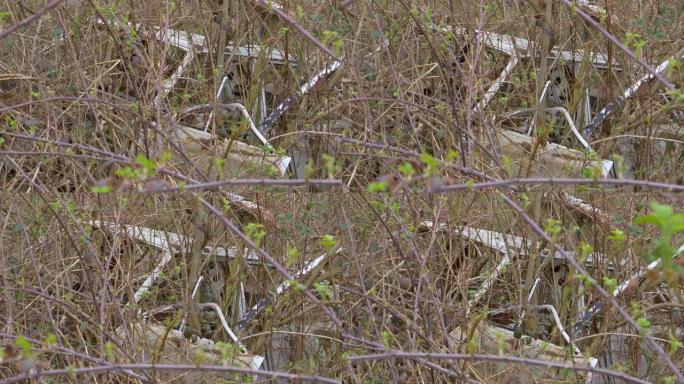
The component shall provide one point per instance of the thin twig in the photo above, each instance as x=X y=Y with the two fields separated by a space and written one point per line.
x=536 y=228
x=507 y=183
x=629 y=284
x=654 y=72
x=36 y=15
x=213 y=185
x=632 y=90
x=167 y=367
x=495 y=358
x=271 y=6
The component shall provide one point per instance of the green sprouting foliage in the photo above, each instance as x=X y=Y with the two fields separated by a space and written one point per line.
x=228 y=351
x=25 y=347
x=377 y=186
x=610 y=284
x=552 y=227
x=669 y=224
x=296 y=286
x=101 y=189
x=327 y=242
x=5 y=17
x=292 y=255
x=255 y=231
x=617 y=236
x=430 y=162
x=324 y=290
x=406 y=169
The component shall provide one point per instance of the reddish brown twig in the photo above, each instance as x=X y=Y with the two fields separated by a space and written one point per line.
x=37 y=15
x=618 y=44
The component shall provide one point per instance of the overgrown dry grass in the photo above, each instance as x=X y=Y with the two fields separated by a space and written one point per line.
x=376 y=147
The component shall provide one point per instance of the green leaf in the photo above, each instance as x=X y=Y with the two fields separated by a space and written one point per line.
x=166 y=157
x=255 y=231
x=452 y=155
x=327 y=242
x=200 y=357
x=675 y=344
x=296 y=286
x=109 y=350
x=50 y=339
x=407 y=169
x=126 y=173
x=292 y=255
x=470 y=183
x=4 y=17
x=377 y=186
x=669 y=224
x=644 y=324
x=585 y=250
x=553 y=227
x=386 y=338
x=590 y=172
x=100 y=189
x=584 y=279
x=227 y=351
x=659 y=214
x=323 y=288
x=610 y=284
x=145 y=162
x=429 y=160
x=617 y=236
x=26 y=347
